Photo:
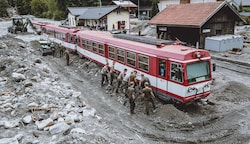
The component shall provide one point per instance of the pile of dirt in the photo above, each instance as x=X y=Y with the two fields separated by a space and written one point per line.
x=172 y=114
x=234 y=92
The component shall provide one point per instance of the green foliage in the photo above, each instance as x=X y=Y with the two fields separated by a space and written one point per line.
x=3 y=8
x=154 y=9
x=247 y=19
x=246 y=9
x=39 y=8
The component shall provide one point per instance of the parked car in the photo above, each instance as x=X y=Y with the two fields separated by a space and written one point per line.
x=45 y=48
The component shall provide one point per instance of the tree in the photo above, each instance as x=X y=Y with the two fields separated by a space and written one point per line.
x=154 y=9
x=3 y=8
x=39 y=8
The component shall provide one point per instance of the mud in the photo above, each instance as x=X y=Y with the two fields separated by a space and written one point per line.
x=77 y=98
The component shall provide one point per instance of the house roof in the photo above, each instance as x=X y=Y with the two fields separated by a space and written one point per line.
x=244 y=2
x=124 y=3
x=97 y=12
x=76 y=11
x=192 y=15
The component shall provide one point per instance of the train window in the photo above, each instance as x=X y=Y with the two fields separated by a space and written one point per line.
x=143 y=62
x=89 y=45
x=83 y=43
x=198 y=71
x=101 y=49
x=120 y=55
x=176 y=73
x=162 y=68
x=94 y=45
x=69 y=38
x=131 y=59
x=111 y=52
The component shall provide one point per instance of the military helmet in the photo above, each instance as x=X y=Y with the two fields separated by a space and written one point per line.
x=146 y=84
x=131 y=83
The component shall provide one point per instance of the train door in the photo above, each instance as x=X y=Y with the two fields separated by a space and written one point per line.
x=161 y=81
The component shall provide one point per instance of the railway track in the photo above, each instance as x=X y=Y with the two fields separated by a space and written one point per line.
x=232 y=66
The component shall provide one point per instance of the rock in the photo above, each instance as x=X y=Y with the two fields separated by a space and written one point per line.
x=3 y=45
x=38 y=60
x=44 y=123
x=9 y=141
x=46 y=69
x=27 y=119
x=33 y=104
x=28 y=84
x=77 y=134
x=68 y=120
x=60 y=119
x=54 y=116
x=89 y=112
x=78 y=130
x=18 y=77
x=22 y=45
x=74 y=116
x=36 y=142
x=19 y=137
x=76 y=94
x=11 y=124
x=59 y=128
x=21 y=71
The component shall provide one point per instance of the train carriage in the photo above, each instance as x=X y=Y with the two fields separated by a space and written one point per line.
x=176 y=72
x=61 y=35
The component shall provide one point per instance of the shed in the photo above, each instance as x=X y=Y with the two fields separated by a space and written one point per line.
x=223 y=42
x=192 y=23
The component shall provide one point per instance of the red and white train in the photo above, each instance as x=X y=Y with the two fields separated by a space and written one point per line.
x=176 y=72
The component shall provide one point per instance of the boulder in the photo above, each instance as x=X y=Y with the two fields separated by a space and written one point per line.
x=59 y=128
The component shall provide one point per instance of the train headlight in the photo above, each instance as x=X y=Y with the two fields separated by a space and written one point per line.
x=198 y=55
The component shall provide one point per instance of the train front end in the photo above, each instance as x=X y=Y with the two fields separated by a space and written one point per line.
x=197 y=77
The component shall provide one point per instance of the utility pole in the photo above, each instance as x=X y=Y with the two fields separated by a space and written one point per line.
x=138 y=9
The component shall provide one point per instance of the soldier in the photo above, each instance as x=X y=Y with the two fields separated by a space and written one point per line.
x=148 y=96
x=131 y=96
x=120 y=78
x=53 y=49
x=61 y=49
x=104 y=73
x=67 y=56
x=143 y=80
x=112 y=74
x=132 y=77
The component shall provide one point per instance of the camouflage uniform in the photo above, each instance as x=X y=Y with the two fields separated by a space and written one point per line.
x=67 y=57
x=148 y=97
x=131 y=95
x=104 y=73
x=120 y=79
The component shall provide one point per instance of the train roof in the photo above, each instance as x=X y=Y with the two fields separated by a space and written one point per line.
x=61 y=29
x=178 y=52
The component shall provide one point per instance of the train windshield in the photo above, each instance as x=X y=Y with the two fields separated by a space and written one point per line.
x=198 y=71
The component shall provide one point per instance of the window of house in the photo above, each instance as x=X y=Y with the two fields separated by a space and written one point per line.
x=176 y=72
x=111 y=52
x=120 y=55
x=131 y=59
x=143 y=62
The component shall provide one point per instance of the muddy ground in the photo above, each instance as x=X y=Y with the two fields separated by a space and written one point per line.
x=44 y=101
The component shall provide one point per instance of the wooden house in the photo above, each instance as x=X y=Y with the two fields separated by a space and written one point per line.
x=192 y=23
